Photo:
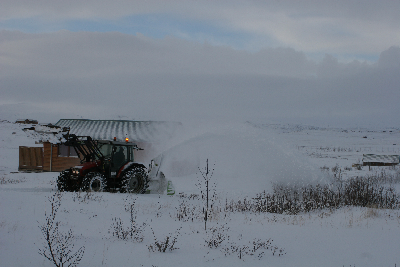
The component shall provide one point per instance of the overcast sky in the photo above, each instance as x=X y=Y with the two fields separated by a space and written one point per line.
x=322 y=62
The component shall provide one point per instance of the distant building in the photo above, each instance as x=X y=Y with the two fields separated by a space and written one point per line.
x=380 y=160
x=27 y=121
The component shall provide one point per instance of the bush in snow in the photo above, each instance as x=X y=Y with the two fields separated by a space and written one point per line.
x=356 y=191
x=187 y=211
x=4 y=180
x=256 y=248
x=58 y=246
x=134 y=231
x=217 y=235
x=85 y=197
x=168 y=244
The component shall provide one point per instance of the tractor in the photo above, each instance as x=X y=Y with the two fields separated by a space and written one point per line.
x=105 y=166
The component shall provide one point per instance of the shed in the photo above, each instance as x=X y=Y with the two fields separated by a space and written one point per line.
x=380 y=160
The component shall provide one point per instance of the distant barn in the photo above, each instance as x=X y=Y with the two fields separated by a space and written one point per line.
x=380 y=160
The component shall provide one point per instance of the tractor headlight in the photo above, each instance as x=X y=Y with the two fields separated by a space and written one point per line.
x=75 y=172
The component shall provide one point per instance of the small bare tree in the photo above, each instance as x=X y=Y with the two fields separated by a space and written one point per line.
x=167 y=244
x=58 y=246
x=206 y=189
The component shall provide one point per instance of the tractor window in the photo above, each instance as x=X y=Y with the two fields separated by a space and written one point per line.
x=106 y=150
x=120 y=155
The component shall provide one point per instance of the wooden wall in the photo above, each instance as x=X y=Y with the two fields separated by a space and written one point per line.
x=30 y=158
x=56 y=164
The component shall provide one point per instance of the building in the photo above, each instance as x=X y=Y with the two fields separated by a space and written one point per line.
x=380 y=160
x=26 y=121
x=151 y=136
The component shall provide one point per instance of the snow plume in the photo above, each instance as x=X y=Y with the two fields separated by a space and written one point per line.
x=242 y=159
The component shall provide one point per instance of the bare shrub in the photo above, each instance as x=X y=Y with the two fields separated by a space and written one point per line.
x=325 y=168
x=217 y=235
x=188 y=212
x=357 y=191
x=168 y=244
x=371 y=213
x=133 y=231
x=58 y=246
x=256 y=248
x=86 y=197
x=4 y=180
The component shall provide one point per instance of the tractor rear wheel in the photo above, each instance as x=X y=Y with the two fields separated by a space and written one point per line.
x=94 y=182
x=64 y=182
x=134 y=180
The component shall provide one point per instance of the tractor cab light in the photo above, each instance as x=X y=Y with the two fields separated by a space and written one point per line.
x=127 y=139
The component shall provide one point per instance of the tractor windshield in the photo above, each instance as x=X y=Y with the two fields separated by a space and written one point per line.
x=106 y=150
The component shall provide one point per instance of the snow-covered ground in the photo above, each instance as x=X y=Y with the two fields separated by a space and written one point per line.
x=247 y=159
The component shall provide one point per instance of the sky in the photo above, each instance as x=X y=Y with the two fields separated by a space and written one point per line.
x=316 y=62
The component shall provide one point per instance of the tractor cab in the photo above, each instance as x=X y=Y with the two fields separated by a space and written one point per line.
x=116 y=155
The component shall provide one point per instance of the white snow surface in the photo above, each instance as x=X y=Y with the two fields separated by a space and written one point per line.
x=245 y=159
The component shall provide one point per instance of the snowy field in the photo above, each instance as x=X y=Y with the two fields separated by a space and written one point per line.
x=246 y=159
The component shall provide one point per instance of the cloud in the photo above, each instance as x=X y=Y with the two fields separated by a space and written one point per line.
x=352 y=29
x=86 y=54
x=324 y=26
x=107 y=75
x=390 y=58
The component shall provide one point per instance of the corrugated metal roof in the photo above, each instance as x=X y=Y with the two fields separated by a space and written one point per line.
x=139 y=131
x=381 y=158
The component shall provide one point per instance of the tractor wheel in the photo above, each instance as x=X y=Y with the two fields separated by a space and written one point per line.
x=134 y=180
x=94 y=182
x=64 y=181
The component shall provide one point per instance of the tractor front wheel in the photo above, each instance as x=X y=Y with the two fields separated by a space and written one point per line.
x=94 y=182
x=134 y=180
x=64 y=182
